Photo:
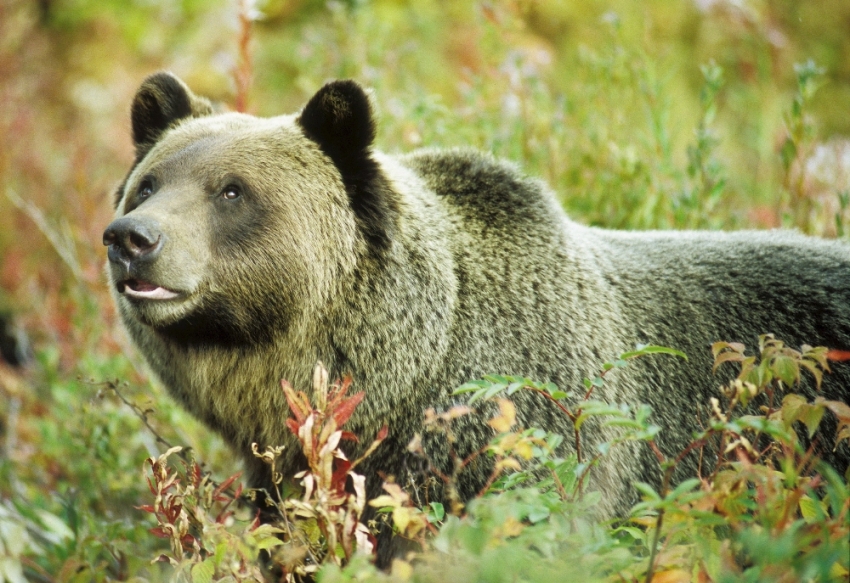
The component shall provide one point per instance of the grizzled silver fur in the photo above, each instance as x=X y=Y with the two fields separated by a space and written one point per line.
x=244 y=250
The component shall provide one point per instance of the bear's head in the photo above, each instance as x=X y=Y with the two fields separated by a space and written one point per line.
x=230 y=227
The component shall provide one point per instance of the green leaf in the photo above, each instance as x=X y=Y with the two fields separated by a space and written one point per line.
x=624 y=422
x=772 y=427
x=786 y=369
x=497 y=378
x=636 y=533
x=648 y=434
x=220 y=552
x=265 y=536
x=487 y=389
x=549 y=387
x=816 y=372
x=203 y=572
x=643 y=412
x=811 y=416
x=810 y=509
x=495 y=390
x=683 y=488
x=817 y=354
x=795 y=408
x=760 y=375
x=470 y=387
x=648 y=491
x=437 y=512
x=651 y=349
x=55 y=525
x=595 y=409
x=553 y=440
x=792 y=408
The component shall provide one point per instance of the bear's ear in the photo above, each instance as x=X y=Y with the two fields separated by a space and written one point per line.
x=339 y=118
x=162 y=100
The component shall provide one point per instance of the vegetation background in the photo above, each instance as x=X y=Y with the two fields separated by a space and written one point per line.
x=654 y=114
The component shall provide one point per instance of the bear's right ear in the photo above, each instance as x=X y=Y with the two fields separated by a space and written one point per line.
x=339 y=118
x=161 y=101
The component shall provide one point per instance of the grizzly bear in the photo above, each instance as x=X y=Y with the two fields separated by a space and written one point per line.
x=245 y=249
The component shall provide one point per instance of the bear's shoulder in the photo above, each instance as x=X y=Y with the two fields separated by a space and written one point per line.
x=477 y=183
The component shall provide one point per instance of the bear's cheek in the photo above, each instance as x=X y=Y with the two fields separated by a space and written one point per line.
x=184 y=263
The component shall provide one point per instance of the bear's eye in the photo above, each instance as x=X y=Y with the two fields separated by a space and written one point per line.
x=231 y=192
x=145 y=189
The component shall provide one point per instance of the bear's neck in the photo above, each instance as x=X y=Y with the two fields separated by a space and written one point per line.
x=236 y=389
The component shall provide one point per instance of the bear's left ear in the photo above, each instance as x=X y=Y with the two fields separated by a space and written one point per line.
x=339 y=118
x=161 y=101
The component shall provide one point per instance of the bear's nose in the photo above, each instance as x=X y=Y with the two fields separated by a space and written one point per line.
x=130 y=238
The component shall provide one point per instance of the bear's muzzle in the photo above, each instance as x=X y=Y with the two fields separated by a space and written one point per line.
x=134 y=244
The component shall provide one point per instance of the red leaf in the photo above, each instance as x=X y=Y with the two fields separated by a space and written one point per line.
x=382 y=434
x=838 y=355
x=226 y=484
x=256 y=524
x=172 y=513
x=348 y=436
x=188 y=540
x=160 y=532
x=293 y=425
x=340 y=474
x=146 y=508
x=292 y=398
x=343 y=389
x=346 y=408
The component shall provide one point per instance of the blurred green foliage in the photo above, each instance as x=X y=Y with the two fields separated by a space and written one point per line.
x=651 y=114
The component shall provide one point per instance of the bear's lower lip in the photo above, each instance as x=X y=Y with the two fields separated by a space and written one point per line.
x=136 y=288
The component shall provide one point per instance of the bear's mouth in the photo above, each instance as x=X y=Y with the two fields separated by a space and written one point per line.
x=138 y=288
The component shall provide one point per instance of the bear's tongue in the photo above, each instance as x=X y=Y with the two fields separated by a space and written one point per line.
x=142 y=289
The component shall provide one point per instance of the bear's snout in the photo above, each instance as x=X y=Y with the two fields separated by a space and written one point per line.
x=130 y=239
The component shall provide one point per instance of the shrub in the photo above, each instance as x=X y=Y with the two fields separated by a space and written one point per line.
x=766 y=510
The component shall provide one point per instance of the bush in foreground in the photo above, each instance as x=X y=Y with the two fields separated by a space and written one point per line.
x=765 y=508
